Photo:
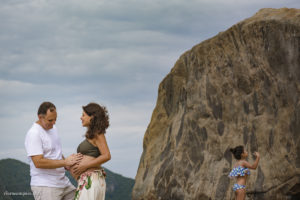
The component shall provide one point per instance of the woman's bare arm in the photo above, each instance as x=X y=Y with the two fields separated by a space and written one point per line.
x=105 y=156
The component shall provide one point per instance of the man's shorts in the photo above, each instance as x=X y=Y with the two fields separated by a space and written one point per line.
x=52 y=193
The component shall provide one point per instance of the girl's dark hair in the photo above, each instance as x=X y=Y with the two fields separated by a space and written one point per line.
x=99 y=122
x=237 y=152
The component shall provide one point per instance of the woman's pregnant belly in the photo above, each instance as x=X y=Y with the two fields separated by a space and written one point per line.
x=84 y=159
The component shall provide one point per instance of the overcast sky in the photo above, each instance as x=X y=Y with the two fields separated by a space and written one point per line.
x=113 y=52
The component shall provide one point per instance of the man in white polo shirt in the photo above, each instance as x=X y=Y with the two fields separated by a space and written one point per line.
x=48 y=180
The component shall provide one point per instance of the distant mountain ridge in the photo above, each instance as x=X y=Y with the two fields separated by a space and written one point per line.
x=15 y=182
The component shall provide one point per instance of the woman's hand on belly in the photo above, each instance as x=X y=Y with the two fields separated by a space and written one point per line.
x=77 y=169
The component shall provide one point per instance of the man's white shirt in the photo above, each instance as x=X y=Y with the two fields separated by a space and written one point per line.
x=39 y=141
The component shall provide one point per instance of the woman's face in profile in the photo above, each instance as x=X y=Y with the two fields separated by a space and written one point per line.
x=85 y=119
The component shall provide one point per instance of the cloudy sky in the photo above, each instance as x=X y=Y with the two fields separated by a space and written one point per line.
x=114 y=52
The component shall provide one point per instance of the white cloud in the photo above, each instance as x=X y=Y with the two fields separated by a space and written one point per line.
x=14 y=87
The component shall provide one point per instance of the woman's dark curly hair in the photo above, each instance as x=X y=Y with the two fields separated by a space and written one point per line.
x=99 y=122
x=237 y=152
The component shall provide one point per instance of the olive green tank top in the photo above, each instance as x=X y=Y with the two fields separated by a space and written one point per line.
x=86 y=148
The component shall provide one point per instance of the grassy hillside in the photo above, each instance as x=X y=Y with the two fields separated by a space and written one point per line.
x=15 y=182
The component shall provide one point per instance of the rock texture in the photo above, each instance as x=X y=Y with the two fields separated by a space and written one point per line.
x=241 y=87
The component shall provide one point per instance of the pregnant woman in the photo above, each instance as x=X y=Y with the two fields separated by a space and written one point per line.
x=88 y=172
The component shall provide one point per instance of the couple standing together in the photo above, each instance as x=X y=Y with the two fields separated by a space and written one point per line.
x=48 y=165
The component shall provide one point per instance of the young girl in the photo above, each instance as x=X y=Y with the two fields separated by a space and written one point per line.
x=241 y=170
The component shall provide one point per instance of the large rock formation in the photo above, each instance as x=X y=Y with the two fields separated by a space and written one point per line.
x=239 y=87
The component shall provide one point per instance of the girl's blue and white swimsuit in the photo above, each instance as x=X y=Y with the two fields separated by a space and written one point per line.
x=238 y=186
x=238 y=171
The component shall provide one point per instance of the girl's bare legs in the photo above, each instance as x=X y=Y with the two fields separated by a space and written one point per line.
x=244 y=195
x=240 y=194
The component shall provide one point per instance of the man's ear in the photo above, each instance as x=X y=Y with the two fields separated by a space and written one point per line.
x=40 y=116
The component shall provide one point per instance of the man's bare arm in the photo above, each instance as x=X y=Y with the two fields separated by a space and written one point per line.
x=44 y=163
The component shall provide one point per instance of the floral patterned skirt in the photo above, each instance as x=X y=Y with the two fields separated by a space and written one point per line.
x=91 y=186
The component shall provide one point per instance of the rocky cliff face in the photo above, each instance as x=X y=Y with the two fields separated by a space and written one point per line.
x=241 y=87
